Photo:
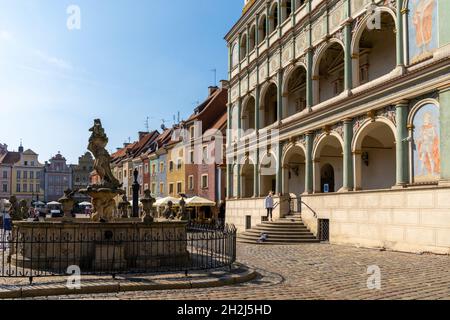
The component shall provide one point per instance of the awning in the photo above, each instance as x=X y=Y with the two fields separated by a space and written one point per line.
x=53 y=203
x=163 y=201
x=85 y=204
x=199 y=202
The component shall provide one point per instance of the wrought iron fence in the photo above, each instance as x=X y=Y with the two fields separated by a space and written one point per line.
x=42 y=250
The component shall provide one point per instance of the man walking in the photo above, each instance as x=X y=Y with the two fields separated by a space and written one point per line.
x=269 y=205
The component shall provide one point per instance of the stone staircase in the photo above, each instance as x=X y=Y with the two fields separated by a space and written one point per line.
x=288 y=230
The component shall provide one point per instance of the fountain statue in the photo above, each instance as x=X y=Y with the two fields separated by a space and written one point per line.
x=102 y=194
x=147 y=203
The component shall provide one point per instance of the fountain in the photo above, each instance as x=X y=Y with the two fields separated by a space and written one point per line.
x=101 y=243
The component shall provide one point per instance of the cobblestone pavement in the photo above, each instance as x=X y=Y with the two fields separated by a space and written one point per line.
x=321 y=271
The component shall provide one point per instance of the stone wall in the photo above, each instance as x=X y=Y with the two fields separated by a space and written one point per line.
x=412 y=220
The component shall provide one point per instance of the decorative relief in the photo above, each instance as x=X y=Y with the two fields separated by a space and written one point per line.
x=389 y=113
x=262 y=73
x=234 y=93
x=339 y=129
x=300 y=43
x=339 y=35
x=244 y=86
x=318 y=30
x=358 y=123
x=274 y=64
x=359 y=4
x=253 y=79
x=302 y=140
x=336 y=16
x=287 y=55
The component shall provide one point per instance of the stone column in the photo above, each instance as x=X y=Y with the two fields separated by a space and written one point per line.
x=405 y=13
x=257 y=107
x=256 y=175
x=229 y=180
x=348 y=73
x=280 y=96
x=279 y=174
x=309 y=72
x=309 y=163
x=239 y=119
x=238 y=184
x=399 y=35
x=402 y=143
x=257 y=34
x=348 y=182
x=444 y=102
x=229 y=120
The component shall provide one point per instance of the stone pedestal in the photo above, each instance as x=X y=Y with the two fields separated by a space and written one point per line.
x=103 y=201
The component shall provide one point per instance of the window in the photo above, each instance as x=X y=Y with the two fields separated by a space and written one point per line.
x=5 y=174
x=31 y=188
x=205 y=154
x=154 y=168
x=170 y=188
x=179 y=164
x=25 y=163
x=235 y=55
x=153 y=188
x=5 y=188
x=192 y=132
x=32 y=163
x=191 y=182
x=204 y=181
x=161 y=188
x=191 y=157
x=25 y=187
x=131 y=173
x=171 y=166
x=124 y=173
x=38 y=188
x=161 y=167
x=18 y=188
x=179 y=187
x=38 y=175
x=146 y=168
x=31 y=174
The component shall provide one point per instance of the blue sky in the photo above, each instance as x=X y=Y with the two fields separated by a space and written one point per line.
x=130 y=60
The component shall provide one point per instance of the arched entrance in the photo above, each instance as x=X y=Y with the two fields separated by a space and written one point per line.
x=375 y=156
x=267 y=175
x=328 y=164
x=374 y=50
x=269 y=106
x=248 y=116
x=329 y=73
x=247 y=179
x=295 y=93
x=294 y=163
x=327 y=183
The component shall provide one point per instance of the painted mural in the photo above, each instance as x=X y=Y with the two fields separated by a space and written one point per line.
x=423 y=28
x=426 y=144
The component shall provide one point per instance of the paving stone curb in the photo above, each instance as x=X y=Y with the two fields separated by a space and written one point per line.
x=98 y=287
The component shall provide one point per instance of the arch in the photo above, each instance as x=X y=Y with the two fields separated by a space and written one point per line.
x=294 y=171
x=288 y=74
x=273 y=18
x=375 y=155
x=328 y=151
x=243 y=46
x=252 y=38
x=247 y=178
x=234 y=55
x=321 y=51
x=262 y=28
x=419 y=105
x=294 y=91
x=267 y=173
x=425 y=149
x=286 y=9
x=328 y=71
x=268 y=104
x=374 y=52
x=248 y=114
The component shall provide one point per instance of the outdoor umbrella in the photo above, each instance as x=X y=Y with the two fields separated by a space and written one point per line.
x=39 y=203
x=53 y=203
x=163 y=201
x=85 y=204
x=199 y=202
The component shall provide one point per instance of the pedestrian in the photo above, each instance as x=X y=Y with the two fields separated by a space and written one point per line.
x=269 y=205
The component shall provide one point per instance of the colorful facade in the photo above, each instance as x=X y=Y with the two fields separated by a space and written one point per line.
x=57 y=178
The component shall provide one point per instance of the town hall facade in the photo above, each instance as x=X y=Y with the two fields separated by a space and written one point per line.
x=342 y=109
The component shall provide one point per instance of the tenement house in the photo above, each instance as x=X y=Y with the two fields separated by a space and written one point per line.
x=357 y=96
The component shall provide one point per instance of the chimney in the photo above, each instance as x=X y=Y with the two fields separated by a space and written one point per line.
x=211 y=90
x=224 y=84
x=141 y=134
